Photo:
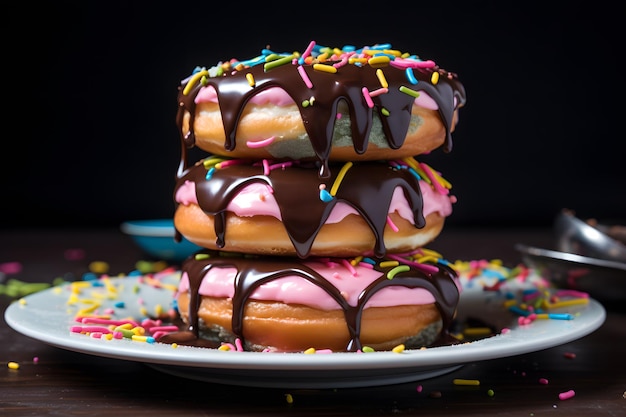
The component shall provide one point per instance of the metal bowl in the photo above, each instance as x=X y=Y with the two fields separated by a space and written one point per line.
x=602 y=279
x=576 y=236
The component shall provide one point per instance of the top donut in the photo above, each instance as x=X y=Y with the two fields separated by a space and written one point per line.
x=328 y=104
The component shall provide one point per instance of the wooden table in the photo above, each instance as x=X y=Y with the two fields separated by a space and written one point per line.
x=65 y=383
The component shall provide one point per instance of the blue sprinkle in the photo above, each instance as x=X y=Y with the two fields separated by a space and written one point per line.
x=325 y=196
x=89 y=276
x=135 y=273
x=209 y=173
x=415 y=174
x=369 y=261
x=564 y=316
x=410 y=76
x=120 y=304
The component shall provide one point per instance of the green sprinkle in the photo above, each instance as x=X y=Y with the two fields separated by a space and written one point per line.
x=201 y=256
x=490 y=393
x=368 y=349
x=384 y=111
x=396 y=270
x=278 y=62
x=409 y=91
x=305 y=103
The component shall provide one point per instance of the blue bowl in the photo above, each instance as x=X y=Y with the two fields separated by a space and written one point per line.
x=156 y=238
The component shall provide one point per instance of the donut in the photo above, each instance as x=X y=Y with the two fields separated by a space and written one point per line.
x=283 y=304
x=325 y=104
x=282 y=208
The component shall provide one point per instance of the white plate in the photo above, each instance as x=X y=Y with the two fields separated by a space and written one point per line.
x=46 y=316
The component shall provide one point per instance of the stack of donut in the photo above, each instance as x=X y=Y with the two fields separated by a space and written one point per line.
x=311 y=203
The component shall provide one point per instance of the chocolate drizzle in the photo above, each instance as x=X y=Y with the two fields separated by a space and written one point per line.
x=394 y=107
x=367 y=187
x=253 y=272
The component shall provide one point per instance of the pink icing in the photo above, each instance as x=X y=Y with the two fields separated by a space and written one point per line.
x=218 y=282
x=257 y=200
x=279 y=97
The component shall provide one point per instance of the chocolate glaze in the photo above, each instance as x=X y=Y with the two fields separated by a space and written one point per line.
x=367 y=187
x=253 y=272
x=234 y=91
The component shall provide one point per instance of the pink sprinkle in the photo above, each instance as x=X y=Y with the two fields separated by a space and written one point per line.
x=349 y=267
x=308 y=49
x=567 y=395
x=118 y=335
x=238 y=345
x=429 y=173
x=505 y=330
x=570 y=355
x=324 y=351
x=338 y=115
x=96 y=335
x=281 y=165
x=36 y=359
x=305 y=77
x=571 y=293
x=392 y=224
x=430 y=269
x=163 y=329
x=378 y=92
x=11 y=267
x=366 y=96
x=419 y=388
x=260 y=143
x=89 y=329
x=543 y=381
x=344 y=61
x=266 y=167
x=366 y=265
x=74 y=254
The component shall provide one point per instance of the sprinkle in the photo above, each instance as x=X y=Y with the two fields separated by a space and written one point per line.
x=407 y=90
x=401 y=268
x=398 y=349
x=434 y=78
x=543 y=381
x=392 y=225
x=278 y=62
x=289 y=398
x=99 y=267
x=366 y=96
x=305 y=77
x=388 y=264
x=250 y=79
x=13 y=365
x=306 y=53
x=309 y=351
x=384 y=111
x=340 y=175
x=569 y=355
x=477 y=331
x=260 y=143
x=194 y=78
x=367 y=349
x=381 y=78
x=378 y=61
x=378 y=92
x=458 y=381
x=567 y=395
x=325 y=68
x=410 y=76
x=490 y=393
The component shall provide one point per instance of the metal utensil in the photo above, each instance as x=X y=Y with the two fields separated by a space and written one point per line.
x=576 y=236
x=602 y=279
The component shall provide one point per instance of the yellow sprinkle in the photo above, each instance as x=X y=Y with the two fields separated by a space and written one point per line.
x=402 y=268
x=424 y=259
x=398 y=349
x=509 y=303
x=13 y=365
x=378 y=61
x=434 y=78
x=477 y=331
x=194 y=79
x=356 y=261
x=224 y=347
x=340 y=175
x=393 y=52
x=250 y=79
x=22 y=301
x=144 y=311
x=108 y=336
x=174 y=345
x=125 y=326
x=357 y=60
x=139 y=338
x=381 y=78
x=458 y=381
x=138 y=330
x=568 y=303
x=201 y=256
x=325 y=68
x=431 y=252
x=99 y=267
x=158 y=310
x=209 y=162
x=289 y=398
x=385 y=264
x=309 y=351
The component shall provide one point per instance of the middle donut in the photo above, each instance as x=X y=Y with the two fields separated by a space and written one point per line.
x=284 y=208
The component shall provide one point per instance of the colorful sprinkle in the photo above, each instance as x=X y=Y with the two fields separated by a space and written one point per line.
x=325 y=68
x=567 y=395
x=459 y=381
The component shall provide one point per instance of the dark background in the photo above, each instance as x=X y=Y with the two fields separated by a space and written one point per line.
x=90 y=100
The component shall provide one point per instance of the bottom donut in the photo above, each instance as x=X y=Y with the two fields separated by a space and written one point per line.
x=280 y=304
